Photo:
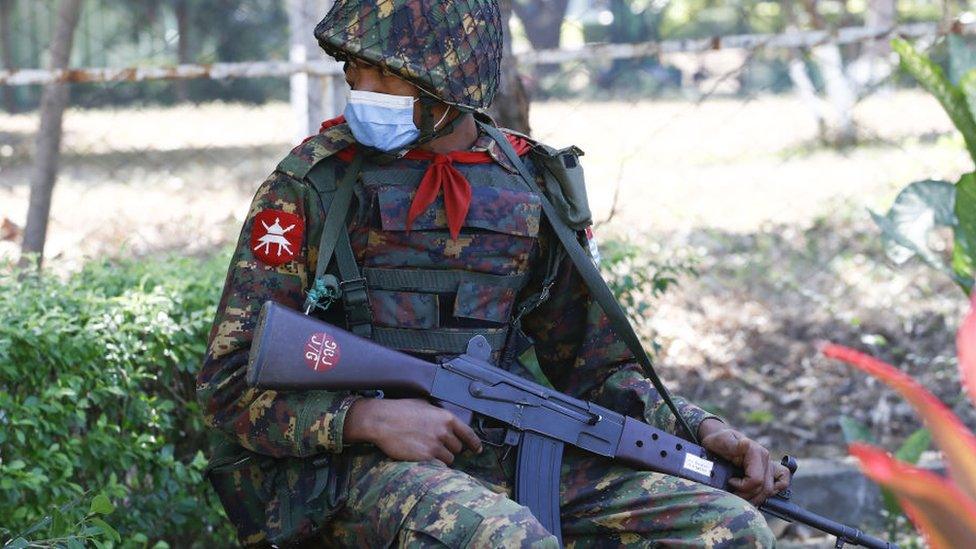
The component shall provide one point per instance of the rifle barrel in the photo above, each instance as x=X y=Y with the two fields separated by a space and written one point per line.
x=790 y=511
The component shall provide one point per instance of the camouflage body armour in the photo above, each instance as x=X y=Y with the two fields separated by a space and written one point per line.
x=429 y=294
x=280 y=466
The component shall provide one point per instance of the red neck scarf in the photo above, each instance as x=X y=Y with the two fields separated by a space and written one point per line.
x=441 y=176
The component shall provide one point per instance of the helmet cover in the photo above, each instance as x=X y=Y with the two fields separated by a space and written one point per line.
x=450 y=49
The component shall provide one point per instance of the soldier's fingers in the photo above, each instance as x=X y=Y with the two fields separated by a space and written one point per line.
x=725 y=444
x=452 y=442
x=765 y=479
x=768 y=481
x=444 y=456
x=781 y=477
x=467 y=435
x=754 y=466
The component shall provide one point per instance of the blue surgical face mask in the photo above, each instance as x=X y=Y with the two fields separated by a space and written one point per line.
x=381 y=121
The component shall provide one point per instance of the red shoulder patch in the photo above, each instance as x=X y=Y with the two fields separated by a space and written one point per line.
x=276 y=236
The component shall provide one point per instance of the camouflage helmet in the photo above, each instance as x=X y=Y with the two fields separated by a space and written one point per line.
x=450 y=49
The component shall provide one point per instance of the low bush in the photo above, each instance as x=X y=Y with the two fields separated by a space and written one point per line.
x=97 y=398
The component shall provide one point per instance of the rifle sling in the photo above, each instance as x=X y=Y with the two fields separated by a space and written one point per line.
x=335 y=241
x=592 y=278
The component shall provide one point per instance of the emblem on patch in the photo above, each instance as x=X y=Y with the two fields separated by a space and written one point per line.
x=276 y=236
x=321 y=352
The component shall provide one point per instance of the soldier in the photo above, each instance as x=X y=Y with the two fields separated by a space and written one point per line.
x=404 y=222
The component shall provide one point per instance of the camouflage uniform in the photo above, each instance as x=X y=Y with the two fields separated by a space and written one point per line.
x=280 y=465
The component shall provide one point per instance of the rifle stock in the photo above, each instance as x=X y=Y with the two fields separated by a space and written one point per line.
x=291 y=351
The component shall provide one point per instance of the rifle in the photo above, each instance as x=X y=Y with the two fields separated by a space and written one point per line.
x=294 y=352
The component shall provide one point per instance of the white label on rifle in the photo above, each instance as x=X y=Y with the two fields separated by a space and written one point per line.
x=701 y=466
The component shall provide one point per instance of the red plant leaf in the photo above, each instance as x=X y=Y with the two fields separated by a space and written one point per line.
x=957 y=443
x=944 y=515
x=966 y=347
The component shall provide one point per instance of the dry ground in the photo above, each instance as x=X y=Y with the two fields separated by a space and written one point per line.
x=777 y=224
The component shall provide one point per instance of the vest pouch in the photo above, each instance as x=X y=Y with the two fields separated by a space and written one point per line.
x=305 y=494
x=241 y=482
x=278 y=501
x=565 y=184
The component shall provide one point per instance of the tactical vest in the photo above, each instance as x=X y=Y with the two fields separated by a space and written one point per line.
x=427 y=293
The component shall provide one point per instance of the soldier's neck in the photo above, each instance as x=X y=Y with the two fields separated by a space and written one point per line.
x=461 y=139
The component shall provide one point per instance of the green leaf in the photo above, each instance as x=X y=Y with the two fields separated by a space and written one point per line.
x=760 y=417
x=931 y=77
x=911 y=450
x=74 y=543
x=199 y=460
x=964 y=252
x=890 y=503
x=109 y=531
x=101 y=505
x=919 y=208
x=855 y=431
x=18 y=543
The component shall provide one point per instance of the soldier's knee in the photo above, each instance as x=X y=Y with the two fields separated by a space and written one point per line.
x=744 y=526
x=512 y=526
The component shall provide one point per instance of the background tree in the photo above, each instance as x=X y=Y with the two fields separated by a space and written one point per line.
x=184 y=54
x=47 y=153
x=542 y=20
x=6 y=51
x=511 y=106
x=543 y=24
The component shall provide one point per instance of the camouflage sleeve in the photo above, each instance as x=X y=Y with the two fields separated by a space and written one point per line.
x=580 y=354
x=268 y=422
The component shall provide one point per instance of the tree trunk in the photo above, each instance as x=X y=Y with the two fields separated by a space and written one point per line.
x=6 y=52
x=313 y=98
x=802 y=83
x=47 y=150
x=183 y=56
x=510 y=108
x=542 y=19
x=874 y=64
x=841 y=95
x=543 y=22
x=807 y=93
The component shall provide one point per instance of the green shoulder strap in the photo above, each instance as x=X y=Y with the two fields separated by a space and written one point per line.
x=336 y=201
x=592 y=277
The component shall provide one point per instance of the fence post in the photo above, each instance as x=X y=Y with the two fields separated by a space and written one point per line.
x=313 y=98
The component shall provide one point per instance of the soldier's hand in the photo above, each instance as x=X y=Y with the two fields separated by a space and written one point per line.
x=409 y=429
x=763 y=477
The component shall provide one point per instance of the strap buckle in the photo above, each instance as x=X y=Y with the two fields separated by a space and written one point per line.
x=354 y=292
x=356 y=301
x=324 y=292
